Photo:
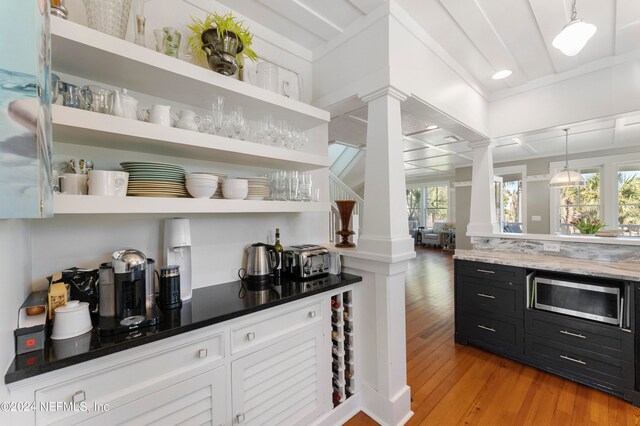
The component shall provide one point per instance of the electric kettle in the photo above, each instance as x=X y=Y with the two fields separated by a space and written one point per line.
x=262 y=260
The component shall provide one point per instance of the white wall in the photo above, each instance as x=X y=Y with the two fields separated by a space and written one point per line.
x=15 y=263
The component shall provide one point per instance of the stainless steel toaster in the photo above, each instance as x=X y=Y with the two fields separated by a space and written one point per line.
x=306 y=261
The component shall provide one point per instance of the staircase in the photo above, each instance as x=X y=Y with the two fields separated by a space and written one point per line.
x=339 y=191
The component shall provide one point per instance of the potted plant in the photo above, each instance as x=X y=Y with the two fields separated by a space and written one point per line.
x=588 y=225
x=222 y=39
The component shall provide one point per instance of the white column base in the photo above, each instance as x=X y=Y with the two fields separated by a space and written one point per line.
x=384 y=246
x=475 y=228
x=392 y=412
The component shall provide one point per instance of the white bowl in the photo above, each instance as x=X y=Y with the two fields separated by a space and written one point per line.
x=201 y=191
x=236 y=183
x=71 y=320
x=234 y=193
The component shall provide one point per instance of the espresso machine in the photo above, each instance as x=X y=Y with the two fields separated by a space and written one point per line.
x=127 y=279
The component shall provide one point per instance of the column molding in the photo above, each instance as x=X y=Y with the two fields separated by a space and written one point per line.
x=482 y=214
x=384 y=91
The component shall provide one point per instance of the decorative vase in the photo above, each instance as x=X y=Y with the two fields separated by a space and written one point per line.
x=110 y=17
x=221 y=52
x=345 y=208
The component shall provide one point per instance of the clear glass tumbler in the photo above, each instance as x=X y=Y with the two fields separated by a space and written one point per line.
x=110 y=17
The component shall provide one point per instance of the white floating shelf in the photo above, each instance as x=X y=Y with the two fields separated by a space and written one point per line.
x=86 y=53
x=95 y=204
x=76 y=126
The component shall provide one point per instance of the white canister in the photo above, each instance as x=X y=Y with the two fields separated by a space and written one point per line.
x=158 y=114
x=73 y=184
x=108 y=182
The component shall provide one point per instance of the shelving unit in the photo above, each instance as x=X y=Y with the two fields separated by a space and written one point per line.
x=96 y=204
x=90 y=54
x=87 y=128
x=342 y=347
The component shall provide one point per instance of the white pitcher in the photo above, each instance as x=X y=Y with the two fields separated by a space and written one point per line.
x=158 y=114
x=124 y=105
x=188 y=120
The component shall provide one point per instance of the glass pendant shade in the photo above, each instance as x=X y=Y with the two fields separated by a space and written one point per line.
x=573 y=37
x=566 y=178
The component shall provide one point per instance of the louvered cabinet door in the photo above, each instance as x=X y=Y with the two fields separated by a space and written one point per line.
x=195 y=401
x=283 y=384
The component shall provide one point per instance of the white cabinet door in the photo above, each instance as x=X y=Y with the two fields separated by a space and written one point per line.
x=195 y=401
x=284 y=384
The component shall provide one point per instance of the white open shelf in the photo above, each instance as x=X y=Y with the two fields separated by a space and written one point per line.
x=96 y=204
x=76 y=126
x=87 y=53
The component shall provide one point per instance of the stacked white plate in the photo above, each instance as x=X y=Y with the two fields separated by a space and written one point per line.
x=258 y=188
x=202 y=185
x=150 y=179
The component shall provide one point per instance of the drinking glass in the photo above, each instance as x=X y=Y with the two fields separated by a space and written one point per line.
x=172 y=39
x=305 y=186
x=159 y=36
x=227 y=126
x=268 y=128
x=218 y=114
x=205 y=124
x=293 y=192
x=237 y=121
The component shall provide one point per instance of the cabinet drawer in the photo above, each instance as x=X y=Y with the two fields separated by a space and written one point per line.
x=495 y=297
x=120 y=384
x=603 y=339
x=265 y=328
x=489 y=330
x=490 y=271
x=572 y=360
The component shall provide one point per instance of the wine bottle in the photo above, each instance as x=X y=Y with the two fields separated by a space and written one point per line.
x=278 y=272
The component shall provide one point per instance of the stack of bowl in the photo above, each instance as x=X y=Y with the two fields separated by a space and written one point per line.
x=235 y=189
x=258 y=188
x=201 y=185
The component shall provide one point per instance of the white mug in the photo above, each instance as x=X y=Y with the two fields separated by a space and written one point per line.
x=73 y=184
x=111 y=183
x=158 y=114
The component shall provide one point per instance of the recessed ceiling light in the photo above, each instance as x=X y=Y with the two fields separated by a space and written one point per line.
x=501 y=74
x=431 y=127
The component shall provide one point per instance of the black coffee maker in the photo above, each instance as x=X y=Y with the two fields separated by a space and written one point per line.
x=130 y=294
x=130 y=279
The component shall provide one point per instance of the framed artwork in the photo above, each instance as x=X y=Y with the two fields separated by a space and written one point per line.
x=25 y=110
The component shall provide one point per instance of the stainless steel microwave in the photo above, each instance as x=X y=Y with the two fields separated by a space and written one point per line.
x=591 y=301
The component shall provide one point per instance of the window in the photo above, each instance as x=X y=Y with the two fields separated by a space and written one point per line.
x=580 y=201
x=414 y=207
x=437 y=204
x=629 y=200
x=512 y=202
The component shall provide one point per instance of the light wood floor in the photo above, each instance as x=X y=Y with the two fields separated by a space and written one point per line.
x=454 y=384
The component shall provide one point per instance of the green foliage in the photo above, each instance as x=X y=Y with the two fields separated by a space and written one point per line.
x=588 y=225
x=222 y=23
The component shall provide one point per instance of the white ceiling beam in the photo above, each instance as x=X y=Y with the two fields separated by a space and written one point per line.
x=551 y=17
x=474 y=23
x=627 y=29
x=306 y=17
x=618 y=129
x=366 y=6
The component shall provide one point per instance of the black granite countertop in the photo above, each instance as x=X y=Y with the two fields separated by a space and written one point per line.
x=209 y=305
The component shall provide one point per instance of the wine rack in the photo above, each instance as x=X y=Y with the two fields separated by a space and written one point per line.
x=342 y=342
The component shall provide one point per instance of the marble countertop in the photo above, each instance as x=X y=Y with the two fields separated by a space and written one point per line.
x=209 y=305
x=616 y=270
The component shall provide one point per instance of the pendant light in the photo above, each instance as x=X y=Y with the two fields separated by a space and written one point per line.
x=566 y=177
x=575 y=35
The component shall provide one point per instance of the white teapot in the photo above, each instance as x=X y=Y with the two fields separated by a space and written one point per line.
x=188 y=120
x=124 y=105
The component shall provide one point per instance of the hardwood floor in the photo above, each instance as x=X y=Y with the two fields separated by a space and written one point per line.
x=454 y=384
